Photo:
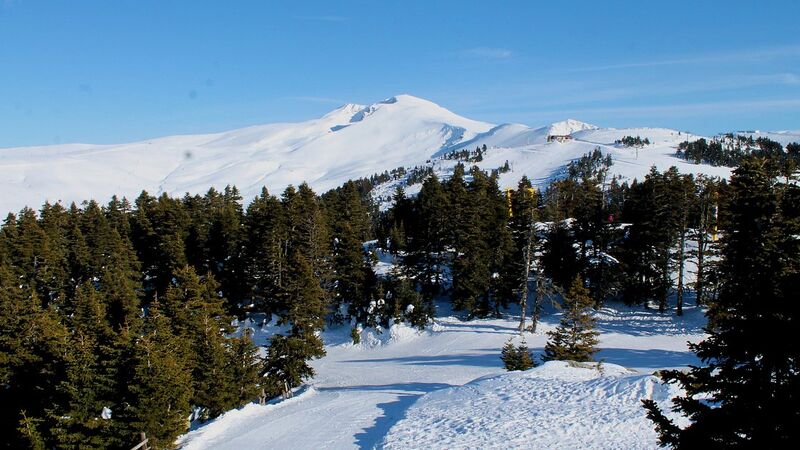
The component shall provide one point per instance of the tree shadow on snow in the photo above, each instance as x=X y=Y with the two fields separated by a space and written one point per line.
x=393 y=411
x=373 y=436
x=616 y=317
x=477 y=327
x=487 y=358
x=400 y=388
x=647 y=359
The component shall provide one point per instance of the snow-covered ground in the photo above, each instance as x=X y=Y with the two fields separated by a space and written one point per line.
x=558 y=405
x=350 y=142
x=410 y=389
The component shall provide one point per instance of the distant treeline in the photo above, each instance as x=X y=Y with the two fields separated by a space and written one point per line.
x=729 y=150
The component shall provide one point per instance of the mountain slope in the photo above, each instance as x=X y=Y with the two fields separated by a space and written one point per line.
x=350 y=142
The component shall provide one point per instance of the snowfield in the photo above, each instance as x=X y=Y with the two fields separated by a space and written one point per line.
x=405 y=388
x=350 y=142
x=558 y=405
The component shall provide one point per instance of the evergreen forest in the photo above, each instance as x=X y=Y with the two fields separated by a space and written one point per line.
x=121 y=318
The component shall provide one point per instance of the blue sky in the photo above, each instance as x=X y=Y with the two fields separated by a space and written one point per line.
x=116 y=71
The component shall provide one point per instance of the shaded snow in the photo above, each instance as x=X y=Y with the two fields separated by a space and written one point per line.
x=361 y=392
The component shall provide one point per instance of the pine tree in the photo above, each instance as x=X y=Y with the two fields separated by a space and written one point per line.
x=681 y=202
x=426 y=256
x=33 y=253
x=160 y=390
x=575 y=338
x=406 y=303
x=516 y=357
x=118 y=215
x=396 y=220
x=32 y=347
x=745 y=395
x=90 y=381
x=77 y=249
x=705 y=224
x=30 y=436
x=285 y=367
x=472 y=263
x=214 y=386
x=160 y=229
x=646 y=253
x=355 y=281
x=54 y=221
x=308 y=230
x=287 y=358
x=560 y=259
x=197 y=317
x=502 y=288
x=244 y=365
x=522 y=224
x=224 y=245
x=265 y=233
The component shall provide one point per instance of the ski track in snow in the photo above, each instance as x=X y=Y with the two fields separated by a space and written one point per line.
x=362 y=391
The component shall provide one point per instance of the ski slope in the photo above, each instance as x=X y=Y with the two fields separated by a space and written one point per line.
x=410 y=389
x=350 y=142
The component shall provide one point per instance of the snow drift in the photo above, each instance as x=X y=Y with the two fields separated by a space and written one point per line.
x=557 y=405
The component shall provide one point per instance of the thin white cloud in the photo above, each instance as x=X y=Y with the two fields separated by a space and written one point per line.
x=566 y=93
x=682 y=109
x=732 y=83
x=741 y=56
x=492 y=53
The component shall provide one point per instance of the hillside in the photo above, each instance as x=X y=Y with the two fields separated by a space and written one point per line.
x=349 y=142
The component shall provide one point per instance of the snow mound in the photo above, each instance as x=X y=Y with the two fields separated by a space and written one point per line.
x=560 y=404
x=398 y=332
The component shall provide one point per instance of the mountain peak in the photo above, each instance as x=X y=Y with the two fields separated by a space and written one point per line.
x=569 y=126
x=409 y=100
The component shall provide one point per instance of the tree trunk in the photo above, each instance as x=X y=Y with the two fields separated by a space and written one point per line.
x=701 y=250
x=523 y=301
x=680 y=271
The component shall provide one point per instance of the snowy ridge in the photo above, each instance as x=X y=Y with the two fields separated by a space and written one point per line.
x=783 y=137
x=350 y=142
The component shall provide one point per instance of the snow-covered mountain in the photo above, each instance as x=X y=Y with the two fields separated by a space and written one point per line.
x=349 y=142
